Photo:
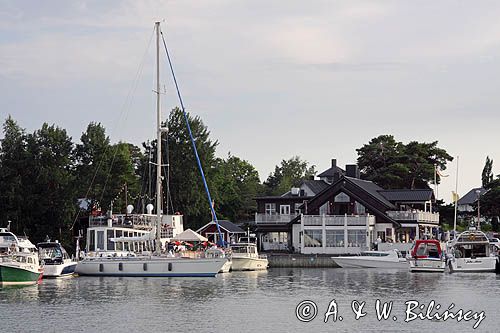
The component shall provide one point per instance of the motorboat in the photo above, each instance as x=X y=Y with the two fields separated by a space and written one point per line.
x=220 y=253
x=471 y=252
x=245 y=257
x=427 y=256
x=373 y=259
x=19 y=264
x=55 y=260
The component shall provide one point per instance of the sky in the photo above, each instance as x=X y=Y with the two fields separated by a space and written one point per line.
x=270 y=79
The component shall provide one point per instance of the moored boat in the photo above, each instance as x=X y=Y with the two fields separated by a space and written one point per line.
x=19 y=264
x=427 y=256
x=244 y=257
x=133 y=244
x=373 y=259
x=471 y=252
x=55 y=260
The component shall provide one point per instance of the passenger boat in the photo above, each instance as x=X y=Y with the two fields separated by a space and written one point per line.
x=55 y=260
x=133 y=244
x=19 y=263
x=427 y=256
x=471 y=252
x=373 y=259
x=245 y=257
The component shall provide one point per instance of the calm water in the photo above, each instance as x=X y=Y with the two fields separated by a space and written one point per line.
x=246 y=302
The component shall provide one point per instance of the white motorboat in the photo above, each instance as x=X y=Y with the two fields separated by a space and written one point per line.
x=471 y=252
x=55 y=260
x=133 y=244
x=427 y=256
x=373 y=259
x=19 y=264
x=245 y=257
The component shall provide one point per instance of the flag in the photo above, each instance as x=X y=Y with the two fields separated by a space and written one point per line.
x=455 y=196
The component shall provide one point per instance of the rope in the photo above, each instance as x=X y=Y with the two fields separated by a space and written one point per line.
x=209 y=197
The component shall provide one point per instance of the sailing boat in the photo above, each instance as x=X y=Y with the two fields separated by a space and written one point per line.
x=131 y=244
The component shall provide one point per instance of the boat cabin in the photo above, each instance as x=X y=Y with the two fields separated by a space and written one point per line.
x=428 y=248
x=246 y=250
x=471 y=244
x=52 y=253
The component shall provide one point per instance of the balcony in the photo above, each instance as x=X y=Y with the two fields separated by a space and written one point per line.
x=274 y=218
x=418 y=216
x=338 y=220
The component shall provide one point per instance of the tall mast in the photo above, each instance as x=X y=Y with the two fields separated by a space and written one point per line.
x=158 y=143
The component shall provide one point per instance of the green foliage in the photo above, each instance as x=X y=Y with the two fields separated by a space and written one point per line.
x=392 y=164
x=287 y=175
x=236 y=186
x=487 y=174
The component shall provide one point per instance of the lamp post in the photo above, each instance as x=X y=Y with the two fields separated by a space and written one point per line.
x=478 y=192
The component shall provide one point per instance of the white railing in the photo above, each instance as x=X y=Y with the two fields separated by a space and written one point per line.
x=274 y=218
x=338 y=220
x=418 y=216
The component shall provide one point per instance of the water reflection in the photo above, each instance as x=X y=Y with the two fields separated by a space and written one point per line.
x=243 y=301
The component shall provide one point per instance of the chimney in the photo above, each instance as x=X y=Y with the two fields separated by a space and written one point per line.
x=334 y=162
x=352 y=170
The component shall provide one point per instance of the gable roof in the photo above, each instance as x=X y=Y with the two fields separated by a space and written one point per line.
x=407 y=195
x=315 y=186
x=363 y=191
x=226 y=225
x=373 y=189
x=471 y=196
x=331 y=172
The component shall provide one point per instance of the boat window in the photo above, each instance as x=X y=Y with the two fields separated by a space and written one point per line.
x=375 y=254
x=422 y=249
x=110 y=234
x=100 y=240
x=30 y=260
x=91 y=240
x=239 y=249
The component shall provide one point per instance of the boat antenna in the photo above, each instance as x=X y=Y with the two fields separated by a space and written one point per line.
x=220 y=241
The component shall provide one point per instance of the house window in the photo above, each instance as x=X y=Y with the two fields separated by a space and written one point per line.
x=313 y=238
x=297 y=208
x=270 y=208
x=335 y=238
x=342 y=197
x=325 y=208
x=356 y=238
x=284 y=209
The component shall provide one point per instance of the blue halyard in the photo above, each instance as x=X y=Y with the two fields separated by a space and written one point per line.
x=220 y=242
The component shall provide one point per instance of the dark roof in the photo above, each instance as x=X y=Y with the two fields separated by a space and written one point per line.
x=316 y=185
x=373 y=189
x=331 y=172
x=229 y=226
x=407 y=195
x=471 y=196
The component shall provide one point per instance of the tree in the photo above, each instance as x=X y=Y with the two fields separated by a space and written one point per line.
x=490 y=201
x=12 y=168
x=487 y=174
x=392 y=164
x=236 y=186
x=187 y=194
x=49 y=196
x=287 y=175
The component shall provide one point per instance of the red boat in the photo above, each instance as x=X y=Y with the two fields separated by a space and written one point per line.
x=427 y=256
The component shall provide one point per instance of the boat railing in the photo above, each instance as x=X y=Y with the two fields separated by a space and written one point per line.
x=136 y=221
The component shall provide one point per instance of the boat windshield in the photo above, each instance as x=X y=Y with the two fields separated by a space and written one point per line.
x=6 y=238
x=375 y=254
x=50 y=252
x=240 y=249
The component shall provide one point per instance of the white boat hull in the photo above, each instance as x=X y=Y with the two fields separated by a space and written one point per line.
x=226 y=268
x=479 y=264
x=66 y=269
x=150 y=266
x=358 y=262
x=427 y=265
x=249 y=264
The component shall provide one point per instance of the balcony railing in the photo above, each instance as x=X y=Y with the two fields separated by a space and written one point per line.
x=419 y=216
x=274 y=218
x=338 y=220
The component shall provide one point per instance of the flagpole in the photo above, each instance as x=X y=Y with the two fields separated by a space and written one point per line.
x=455 y=197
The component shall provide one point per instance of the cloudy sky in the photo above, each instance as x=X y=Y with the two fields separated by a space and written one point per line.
x=271 y=79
